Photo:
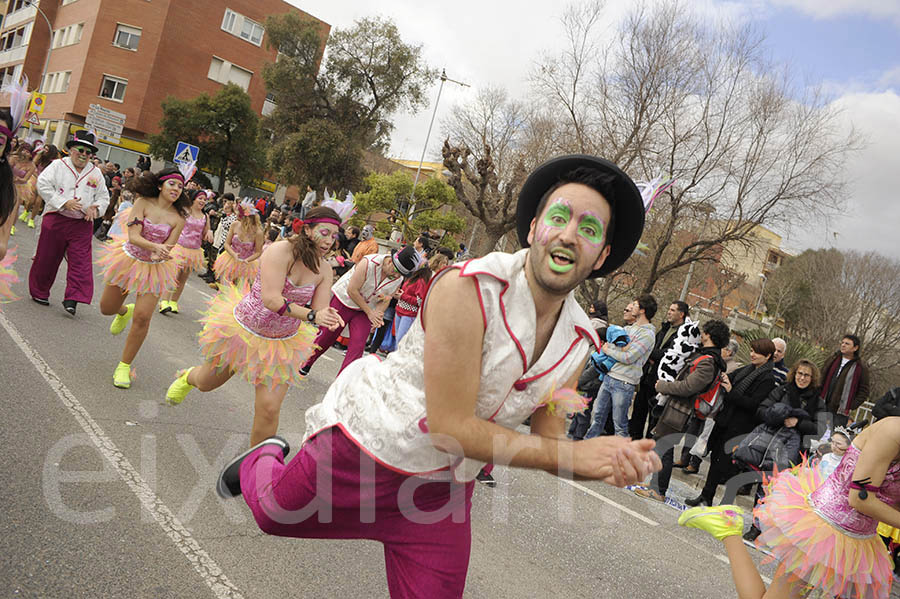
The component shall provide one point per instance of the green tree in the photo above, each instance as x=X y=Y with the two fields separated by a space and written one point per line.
x=336 y=99
x=223 y=126
x=388 y=192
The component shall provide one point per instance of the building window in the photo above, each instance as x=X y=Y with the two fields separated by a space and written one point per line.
x=56 y=83
x=64 y=2
x=242 y=27
x=127 y=37
x=113 y=88
x=225 y=72
x=18 y=5
x=68 y=35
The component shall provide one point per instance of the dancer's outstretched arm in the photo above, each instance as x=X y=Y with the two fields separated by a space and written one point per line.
x=453 y=351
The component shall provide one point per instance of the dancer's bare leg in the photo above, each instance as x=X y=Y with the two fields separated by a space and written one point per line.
x=266 y=411
x=113 y=300
x=207 y=377
x=747 y=581
x=144 y=307
x=174 y=295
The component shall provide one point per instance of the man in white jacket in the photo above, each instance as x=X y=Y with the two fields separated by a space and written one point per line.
x=74 y=194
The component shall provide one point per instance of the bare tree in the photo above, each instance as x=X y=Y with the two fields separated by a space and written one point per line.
x=697 y=101
x=488 y=150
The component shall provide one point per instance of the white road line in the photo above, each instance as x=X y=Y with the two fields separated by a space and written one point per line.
x=609 y=501
x=199 y=559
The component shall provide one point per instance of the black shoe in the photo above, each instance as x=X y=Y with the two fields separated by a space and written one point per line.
x=70 y=305
x=340 y=347
x=486 y=478
x=745 y=490
x=698 y=500
x=304 y=370
x=40 y=301
x=229 y=483
x=751 y=534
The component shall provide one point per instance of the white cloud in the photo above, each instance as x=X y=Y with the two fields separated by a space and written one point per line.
x=827 y=9
x=890 y=79
x=871 y=214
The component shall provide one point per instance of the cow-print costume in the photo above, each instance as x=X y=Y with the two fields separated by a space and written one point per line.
x=686 y=342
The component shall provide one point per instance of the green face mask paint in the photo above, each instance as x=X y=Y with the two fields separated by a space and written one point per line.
x=591 y=229
x=561 y=268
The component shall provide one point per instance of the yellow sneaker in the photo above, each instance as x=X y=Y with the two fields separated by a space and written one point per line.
x=24 y=216
x=121 y=320
x=179 y=389
x=164 y=306
x=173 y=306
x=30 y=223
x=720 y=521
x=12 y=230
x=122 y=376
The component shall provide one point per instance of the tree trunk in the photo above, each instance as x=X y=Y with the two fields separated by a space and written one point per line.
x=484 y=242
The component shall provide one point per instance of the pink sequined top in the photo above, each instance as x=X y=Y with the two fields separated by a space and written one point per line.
x=151 y=232
x=831 y=500
x=243 y=249
x=192 y=234
x=259 y=320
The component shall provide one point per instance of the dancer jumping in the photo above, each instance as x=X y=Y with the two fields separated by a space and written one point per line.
x=821 y=531
x=266 y=332
x=392 y=450
x=143 y=263
x=243 y=247
x=188 y=252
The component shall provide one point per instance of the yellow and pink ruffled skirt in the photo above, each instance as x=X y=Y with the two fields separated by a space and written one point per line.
x=188 y=258
x=227 y=344
x=136 y=276
x=228 y=269
x=813 y=550
x=8 y=277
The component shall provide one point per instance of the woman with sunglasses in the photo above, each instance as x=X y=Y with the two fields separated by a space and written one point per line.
x=268 y=333
x=74 y=194
x=142 y=264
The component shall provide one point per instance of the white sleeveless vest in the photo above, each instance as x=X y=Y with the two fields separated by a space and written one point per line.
x=375 y=284
x=380 y=405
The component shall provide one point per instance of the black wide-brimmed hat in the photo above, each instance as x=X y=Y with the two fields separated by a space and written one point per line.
x=627 y=204
x=83 y=137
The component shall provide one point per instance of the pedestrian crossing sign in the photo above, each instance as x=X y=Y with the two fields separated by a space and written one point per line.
x=185 y=153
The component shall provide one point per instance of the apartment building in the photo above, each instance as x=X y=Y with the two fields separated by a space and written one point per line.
x=126 y=56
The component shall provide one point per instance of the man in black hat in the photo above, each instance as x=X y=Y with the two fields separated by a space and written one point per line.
x=361 y=297
x=74 y=194
x=403 y=439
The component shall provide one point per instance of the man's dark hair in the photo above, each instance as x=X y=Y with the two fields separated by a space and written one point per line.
x=718 y=332
x=227 y=196
x=855 y=341
x=647 y=303
x=597 y=180
x=682 y=307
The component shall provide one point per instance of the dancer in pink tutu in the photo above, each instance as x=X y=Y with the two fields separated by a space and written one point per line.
x=142 y=264
x=822 y=533
x=243 y=247
x=266 y=332
x=9 y=203
x=188 y=252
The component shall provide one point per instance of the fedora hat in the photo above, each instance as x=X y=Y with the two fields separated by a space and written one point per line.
x=627 y=205
x=83 y=137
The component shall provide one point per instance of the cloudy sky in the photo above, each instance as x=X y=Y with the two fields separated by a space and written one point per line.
x=851 y=48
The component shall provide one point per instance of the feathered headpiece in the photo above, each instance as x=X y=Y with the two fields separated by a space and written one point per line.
x=19 y=99
x=187 y=170
x=344 y=209
x=246 y=208
x=650 y=190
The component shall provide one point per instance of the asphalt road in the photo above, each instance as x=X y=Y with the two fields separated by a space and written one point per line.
x=110 y=493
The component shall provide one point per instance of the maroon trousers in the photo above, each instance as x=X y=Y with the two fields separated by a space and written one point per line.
x=69 y=237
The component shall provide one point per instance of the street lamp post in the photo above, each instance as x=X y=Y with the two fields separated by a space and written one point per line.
x=761 y=292
x=33 y=3
x=444 y=78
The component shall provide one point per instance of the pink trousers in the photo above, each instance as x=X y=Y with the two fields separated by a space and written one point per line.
x=60 y=237
x=359 y=325
x=333 y=490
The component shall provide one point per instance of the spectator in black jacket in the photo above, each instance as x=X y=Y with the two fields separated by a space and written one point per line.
x=745 y=389
x=800 y=391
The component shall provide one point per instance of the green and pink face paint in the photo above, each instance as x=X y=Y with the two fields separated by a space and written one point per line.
x=591 y=228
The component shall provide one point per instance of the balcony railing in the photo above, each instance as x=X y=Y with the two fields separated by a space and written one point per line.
x=23 y=15
x=13 y=55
